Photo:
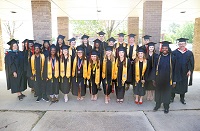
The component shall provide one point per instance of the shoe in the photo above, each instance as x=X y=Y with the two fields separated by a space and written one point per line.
x=38 y=99
x=20 y=97
x=52 y=99
x=56 y=99
x=166 y=111
x=23 y=95
x=45 y=98
x=136 y=102
x=155 y=109
x=32 y=90
x=99 y=89
x=127 y=88
x=66 y=99
x=183 y=102
x=141 y=103
x=121 y=101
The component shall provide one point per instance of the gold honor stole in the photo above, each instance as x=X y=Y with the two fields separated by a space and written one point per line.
x=84 y=68
x=124 y=45
x=70 y=51
x=68 y=69
x=97 y=73
x=134 y=50
x=49 y=69
x=104 y=69
x=137 y=71
x=33 y=68
x=124 y=72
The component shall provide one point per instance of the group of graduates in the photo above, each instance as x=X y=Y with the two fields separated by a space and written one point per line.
x=50 y=68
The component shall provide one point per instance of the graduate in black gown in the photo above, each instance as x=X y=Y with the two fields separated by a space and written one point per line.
x=111 y=42
x=146 y=40
x=51 y=74
x=120 y=43
x=122 y=66
x=87 y=47
x=14 y=66
x=72 y=49
x=108 y=70
x=97 y=47
x=46 y=47
x=164 y=77
x=185 y=61
x=131 y=54
x=151 y=56
x=103 y=44
x=60 y=42
x=79 y=73
x=36 y=73
x=139 y=70
x=93 y=75
x=25 y=49
x=65 y=72
x=27 y=57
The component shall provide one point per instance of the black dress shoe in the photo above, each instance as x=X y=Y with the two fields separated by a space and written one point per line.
x=99 y=89
x=23 y=95
x=20 y=97
x=171 y=100
x=166 y=111
x=38 y=99
x=183 y=102
x=155 y=109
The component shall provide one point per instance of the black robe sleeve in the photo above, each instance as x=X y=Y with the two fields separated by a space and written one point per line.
x=29 y=71
x=45 y=69
x=129 y=74
x=191 y=67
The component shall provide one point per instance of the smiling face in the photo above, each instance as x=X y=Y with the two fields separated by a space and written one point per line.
x=85 y=41
x=140 y=55
x=30 y=45
x=131 y=39
x=37 y=50
x=53 y=51
x=165 y=50
x=93 y=57
x=65 y=52
x=146 y=41
x=101 y=37
x=111 y=43
x=96 y=45
x=121 y=53
x=182 y=45
x=15 y=47
x=108 y=53
x=46 y=45
x=60 y=42
x=151 y=48
x=72 y=44
x=80 y=54
x=120 y=39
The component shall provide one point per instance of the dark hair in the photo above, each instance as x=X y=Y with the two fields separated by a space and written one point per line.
x=26 y=47
x=55 y=53
x=57 y=45
x=11 y=46
x=124 y=61
x=92 y=62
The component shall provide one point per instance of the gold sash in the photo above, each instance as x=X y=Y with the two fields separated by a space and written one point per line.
x=97 y=73
x=68 y=69
x=84 y=68
x=137 y=71
x=33 y=69
x=104 y=70
x=134 y=50
x=70 y=51
x=124 y=71
x=49 y=69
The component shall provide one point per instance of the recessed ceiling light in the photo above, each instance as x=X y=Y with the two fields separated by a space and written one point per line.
x=13 y=12
x=182 y=12
x=98 y=10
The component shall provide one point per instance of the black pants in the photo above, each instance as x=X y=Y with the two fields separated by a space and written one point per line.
x=166 y=106
x=182 y=96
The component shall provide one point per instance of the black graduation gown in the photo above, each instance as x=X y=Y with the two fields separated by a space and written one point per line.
x=119 y=88
x=65 y=83
x=27 y=65
x=46 y=52
x=163 y=87
x=120 y=45
x=92 y=84
x=185 y=62
x=107 y=82
x=14 y=62
x=151 y=63
x=38 y=79
x=87 y=50
x=81 y=82
x=138 y=89
x=52 y=85
x=73 y=54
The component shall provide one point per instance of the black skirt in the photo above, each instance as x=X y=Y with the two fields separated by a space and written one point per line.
x=80 y=83
x=52 y=86
x=149 y=85
x=107 y=86
x=139 y=90
x=65 y=85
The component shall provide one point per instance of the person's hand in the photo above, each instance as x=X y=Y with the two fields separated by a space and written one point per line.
x=154 y=83
x=15 y=74
x=143 y=81
x=174 y=84
x=189 y=73
x=32 y=78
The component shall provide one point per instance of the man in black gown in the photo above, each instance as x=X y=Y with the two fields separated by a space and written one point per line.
x=185 y=61
x=164 y=77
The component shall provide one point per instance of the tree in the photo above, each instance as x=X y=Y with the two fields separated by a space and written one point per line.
x=11 y=27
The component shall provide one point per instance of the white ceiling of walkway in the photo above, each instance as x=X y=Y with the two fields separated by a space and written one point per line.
x=109 y=9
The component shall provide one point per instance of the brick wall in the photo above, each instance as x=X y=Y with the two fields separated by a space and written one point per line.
x=152 y=15
x=63 y=27
x=41 y=15
x=133 y=27
x=196 y=43
x=1 y=50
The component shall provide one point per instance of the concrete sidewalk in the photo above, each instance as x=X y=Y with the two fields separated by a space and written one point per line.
x=90 y=115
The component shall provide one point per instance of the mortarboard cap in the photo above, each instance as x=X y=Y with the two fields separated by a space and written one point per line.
x=95 y=52
x=131 y=35
x=111 y=39
x=53 y=46
x=37 y=45
x=101 y=33
x=65 y=47
x=13 y=41
x=72 y=39
x=121 y=48
x=47 y=41
x=182 y=39
x=31 y=41
x=165 y=43
x=97 y=41
x=141 y=49
x=85 y=36
x=25 y=41
x=80 y=48
x=146 y=37
x=151 y=44
x=109 y=48
x=61 y=37
x=121 y=34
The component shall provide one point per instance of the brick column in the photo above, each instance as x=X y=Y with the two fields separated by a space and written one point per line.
x=152 y=15
x=196 y=43
x=41 y=15
x=1 y=50
x=133 y=26
x=63 y=27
